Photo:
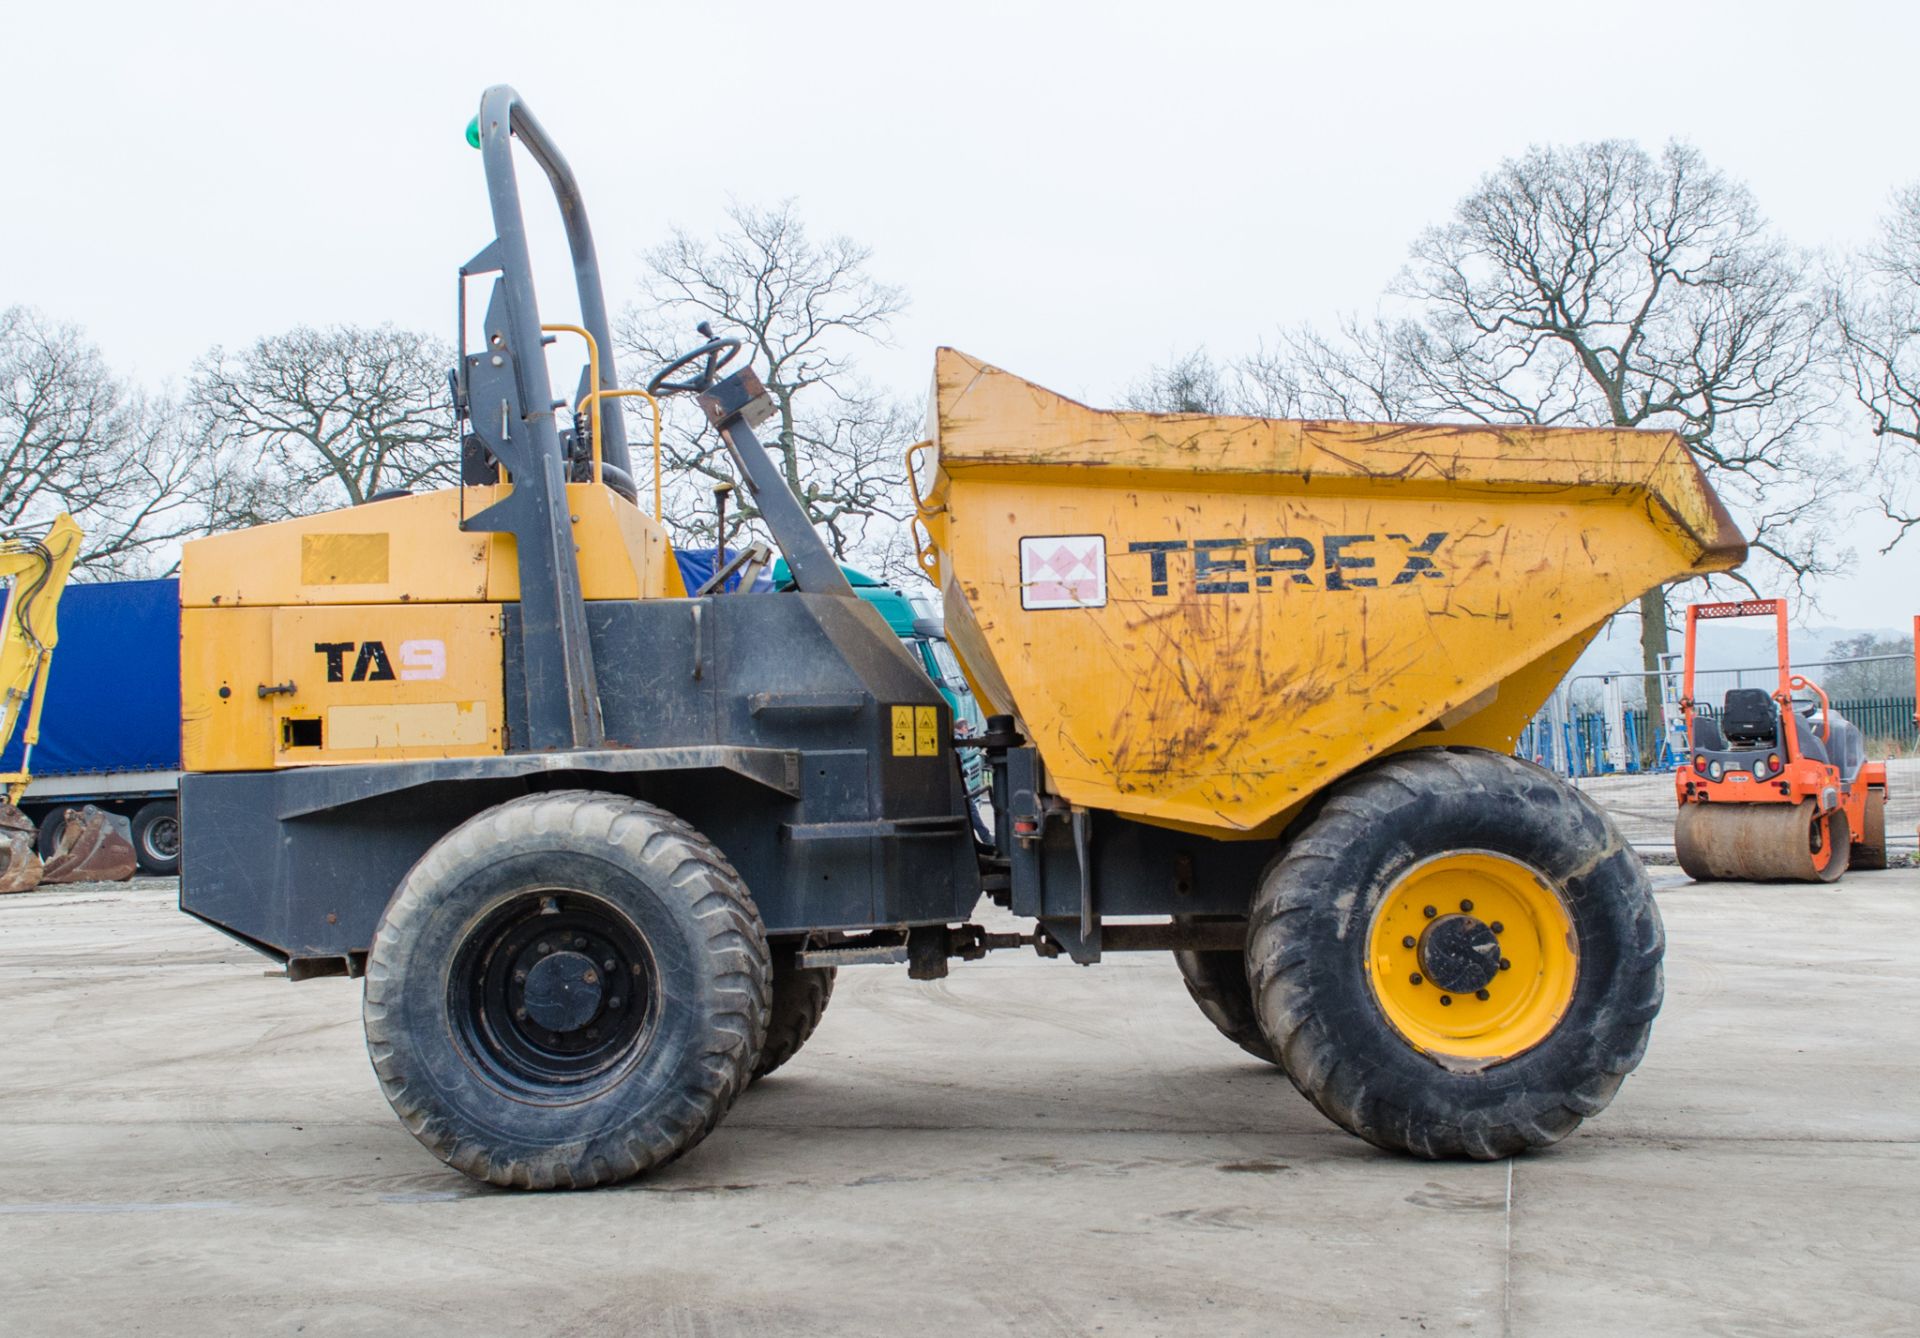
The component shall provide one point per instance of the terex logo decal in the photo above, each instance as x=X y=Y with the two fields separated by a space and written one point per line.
x=1337 y=562
x=371 y=663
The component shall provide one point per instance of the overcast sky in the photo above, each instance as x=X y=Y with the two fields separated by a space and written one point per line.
x=1071 y=191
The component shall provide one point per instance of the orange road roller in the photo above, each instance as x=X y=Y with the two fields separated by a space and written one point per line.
x=1777 y=788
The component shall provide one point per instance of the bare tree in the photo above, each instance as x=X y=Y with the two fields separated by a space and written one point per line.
x=74 y=438
x=1876 y=320
x=1357 y=375
x=1192 y=382
x=802 y=307
x=1598 y=285
x=1869 y=676
x=315 y=419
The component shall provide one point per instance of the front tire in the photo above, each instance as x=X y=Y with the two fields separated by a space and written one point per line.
x=567 y=990
x=1459 y=956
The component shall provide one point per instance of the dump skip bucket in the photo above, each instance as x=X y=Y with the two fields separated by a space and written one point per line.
x=1200 y=621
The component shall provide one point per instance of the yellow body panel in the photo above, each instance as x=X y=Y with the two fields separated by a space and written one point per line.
x=384 y=618
x=411 y=550
x=1202 y=621
x=345 y=683
x=225 y=656
x=387 y=682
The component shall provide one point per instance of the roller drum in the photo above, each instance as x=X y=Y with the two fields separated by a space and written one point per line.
x=1761 y=843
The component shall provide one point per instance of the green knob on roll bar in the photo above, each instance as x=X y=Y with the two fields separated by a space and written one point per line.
x=473 y=132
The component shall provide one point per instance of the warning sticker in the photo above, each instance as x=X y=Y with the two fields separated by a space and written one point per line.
x=903 y=731
x=1063 y=571
x=926 y=732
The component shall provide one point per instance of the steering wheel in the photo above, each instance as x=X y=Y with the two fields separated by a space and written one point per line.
x=718 y=353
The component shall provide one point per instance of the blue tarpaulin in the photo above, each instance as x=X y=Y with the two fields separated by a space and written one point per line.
x=696 y=569
x=113 y=695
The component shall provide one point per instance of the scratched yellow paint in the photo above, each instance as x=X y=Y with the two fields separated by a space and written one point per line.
x=1200 y=621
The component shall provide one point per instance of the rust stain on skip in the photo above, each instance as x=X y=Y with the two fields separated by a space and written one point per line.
x=1217 y=704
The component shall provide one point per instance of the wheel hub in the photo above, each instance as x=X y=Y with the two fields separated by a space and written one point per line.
x=1472 y=956
x=552 y=993
x=563 y=991
x=1460 y=953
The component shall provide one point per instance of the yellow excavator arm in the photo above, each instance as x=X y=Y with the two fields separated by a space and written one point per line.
x=36 y=569
x=92 y=843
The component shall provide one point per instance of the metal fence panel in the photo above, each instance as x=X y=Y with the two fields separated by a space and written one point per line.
x=1596 y=731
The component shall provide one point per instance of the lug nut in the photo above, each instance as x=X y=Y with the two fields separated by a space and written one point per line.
x=1429 y=912
x=590 y=977
x=608 y=964
x=520 y=1014
x=543 y=948
x=520 y=976
x=1415 y=977
x=1505 y=965
x=614 y=1002
x=579 y=942
x=1407 y=942
x=1466 y=907
x=1497 y=927
x=1446 y=1000
x=1481 y=994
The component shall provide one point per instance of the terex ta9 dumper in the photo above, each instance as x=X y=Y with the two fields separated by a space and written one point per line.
x=598 y=846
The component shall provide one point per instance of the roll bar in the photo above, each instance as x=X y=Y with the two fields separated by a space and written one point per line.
x=502 y=109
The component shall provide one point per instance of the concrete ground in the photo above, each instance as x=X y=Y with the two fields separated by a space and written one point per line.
x=1027 y=1147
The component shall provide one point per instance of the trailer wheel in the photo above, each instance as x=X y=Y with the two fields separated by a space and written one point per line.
x=1870 y=851
x=1218 y=983
x=800 y=995
x=156 y=837
x=1459 y=956
x=567 y=990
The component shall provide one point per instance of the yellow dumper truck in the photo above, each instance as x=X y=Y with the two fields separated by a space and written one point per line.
x=598 y=843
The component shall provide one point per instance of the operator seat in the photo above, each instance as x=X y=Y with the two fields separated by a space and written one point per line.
x=1748 y=719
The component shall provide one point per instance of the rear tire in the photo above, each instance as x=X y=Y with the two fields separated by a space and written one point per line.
x=156 y=837
x=1218 y=983
x=502 y=1037
x=1870 y=848
x=800 y=995
x=1322 y=1003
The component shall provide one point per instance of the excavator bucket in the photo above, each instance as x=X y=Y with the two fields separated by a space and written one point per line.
x=95 y=847
x=20 y=869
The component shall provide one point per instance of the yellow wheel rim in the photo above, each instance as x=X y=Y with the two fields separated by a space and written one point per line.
x=1473 y=957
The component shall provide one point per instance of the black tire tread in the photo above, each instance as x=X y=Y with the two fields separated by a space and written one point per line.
x=800 y=996
x=716 y=899
x=1870 y=847
x=1217 y=982
x=143 y=818
x=1315 y=1055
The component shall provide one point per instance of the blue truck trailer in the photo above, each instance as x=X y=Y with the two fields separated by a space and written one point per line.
x=110 y=732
